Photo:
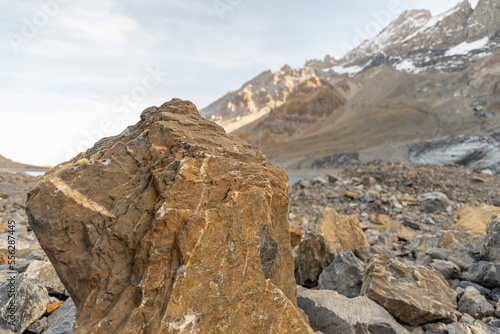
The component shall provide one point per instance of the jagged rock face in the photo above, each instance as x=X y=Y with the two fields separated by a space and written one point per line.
x=171 y=226
x=309 y=102
x=485 y=20
x=257 y=97
x=412 y=294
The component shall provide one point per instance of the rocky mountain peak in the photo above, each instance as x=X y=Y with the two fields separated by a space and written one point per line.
x=484 y=21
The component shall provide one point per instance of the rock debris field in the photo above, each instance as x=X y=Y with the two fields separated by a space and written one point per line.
x=173 y=226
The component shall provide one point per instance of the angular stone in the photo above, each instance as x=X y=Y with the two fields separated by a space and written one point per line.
x=463 y=246
x=382 y=322
x=484 y=273
x=172 y=221
x=330 y=312
x=62 y=320
x=457 y=328
x=448 y=269
x=38 y=327
x=474 y=304
x=30 y=300
x=475 y=219
x=435 y=201
x=45 y=273
x=331 y=234
x=491 y=248
x=344 y=275
x=412 y=294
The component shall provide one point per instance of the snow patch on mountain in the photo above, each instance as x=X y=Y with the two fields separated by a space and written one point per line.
x=465 y=47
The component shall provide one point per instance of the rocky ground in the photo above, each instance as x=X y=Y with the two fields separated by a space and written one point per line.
x=379 y=248
x=42 y=303
x=424 y=258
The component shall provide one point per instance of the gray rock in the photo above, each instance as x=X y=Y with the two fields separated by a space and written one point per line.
x=439 y=253
x=486 y=328
x=491 y=248
x=495 y=294
x=45 y=273
x=436 y=328
x=475 y=304
x=448 y=269
x=484 y=273
x=63 y=319
x=344 y=275
x=38 y=327
x=457 y=328
x=432 y=202
x=382 y=322
x=30 y=301
x=482 y=290
x=332 y=313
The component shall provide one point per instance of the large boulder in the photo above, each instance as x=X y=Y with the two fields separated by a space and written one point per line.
x=491 y=248
x=172 y=226
x=331 y=233
x=412 y=294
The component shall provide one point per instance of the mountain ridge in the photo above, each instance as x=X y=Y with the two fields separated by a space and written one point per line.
x=422 y=78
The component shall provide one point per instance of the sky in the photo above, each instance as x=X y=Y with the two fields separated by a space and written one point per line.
x=73 y=71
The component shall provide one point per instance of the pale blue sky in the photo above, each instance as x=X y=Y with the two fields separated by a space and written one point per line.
x=73 y=71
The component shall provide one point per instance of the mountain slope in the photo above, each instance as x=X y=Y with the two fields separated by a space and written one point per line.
x=422 y=78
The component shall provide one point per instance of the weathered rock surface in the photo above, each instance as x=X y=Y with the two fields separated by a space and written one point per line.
x=45 y=273
x=491 y=247
x=344 y=275
x=475 y=219
x=331 y=234
x=171 y=226
x=412 y=294
x=63 y=319
x=475 y=304
x=30 y=302
x=459 y=247
x=484 y=273
x=330 y=312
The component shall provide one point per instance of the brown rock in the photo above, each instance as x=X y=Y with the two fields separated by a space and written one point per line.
x=384 y=223
x=331 y=234
x=3 y=195
x=413 y=294
x=54 y=306
x=478 y=179
x=172 y=226
x=410 y=200
x=4 y=259
x=475 y=219
x=295 y=235
x=351 y=194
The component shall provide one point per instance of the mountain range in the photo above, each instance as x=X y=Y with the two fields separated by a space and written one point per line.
x=425 y=89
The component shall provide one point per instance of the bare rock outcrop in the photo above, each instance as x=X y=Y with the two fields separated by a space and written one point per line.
x=170 y=227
